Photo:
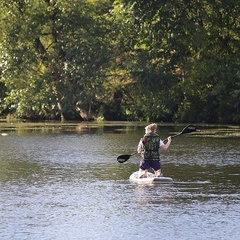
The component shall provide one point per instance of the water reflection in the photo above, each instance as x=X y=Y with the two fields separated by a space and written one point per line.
x=63 y=182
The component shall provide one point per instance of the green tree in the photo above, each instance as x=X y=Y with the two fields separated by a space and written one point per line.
x=53 y=55
x=184 y=60
x=153 y=58
x=128 y=60
x=210 y=83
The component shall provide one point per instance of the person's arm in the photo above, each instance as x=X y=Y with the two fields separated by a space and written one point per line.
x=139 y=149
x=166 y=146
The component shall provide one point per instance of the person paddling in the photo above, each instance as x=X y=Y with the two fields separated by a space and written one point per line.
x=149 y=146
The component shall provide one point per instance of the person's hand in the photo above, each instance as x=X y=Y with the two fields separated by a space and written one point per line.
x=169 y=139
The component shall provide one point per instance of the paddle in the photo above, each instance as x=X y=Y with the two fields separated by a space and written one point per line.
x=187 y=129
x=124 y=158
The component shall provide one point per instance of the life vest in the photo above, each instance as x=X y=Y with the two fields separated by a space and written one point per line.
x=150 y=146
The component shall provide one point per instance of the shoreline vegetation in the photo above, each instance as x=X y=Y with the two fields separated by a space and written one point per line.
x=118 y=60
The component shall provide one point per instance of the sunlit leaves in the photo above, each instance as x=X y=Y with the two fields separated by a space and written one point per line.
x=136 y=60
x=187 y=54
x=59 y=46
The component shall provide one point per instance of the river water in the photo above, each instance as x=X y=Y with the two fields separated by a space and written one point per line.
x=62 y=181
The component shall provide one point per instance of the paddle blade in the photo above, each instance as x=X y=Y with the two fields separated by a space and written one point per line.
x=189 y=129
x=123 y=158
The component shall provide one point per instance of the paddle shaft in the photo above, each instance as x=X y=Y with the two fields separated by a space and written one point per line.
x=173 y=136
x=133 y=154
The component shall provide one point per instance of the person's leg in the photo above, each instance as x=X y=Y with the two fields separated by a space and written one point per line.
x=142 y=173
x=143 y=169
x=158 y=173
x=156 y=166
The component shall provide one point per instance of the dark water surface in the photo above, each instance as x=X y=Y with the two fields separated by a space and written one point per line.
x=63 y=182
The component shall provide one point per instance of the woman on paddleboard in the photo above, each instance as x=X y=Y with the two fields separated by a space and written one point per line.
x=149 y=147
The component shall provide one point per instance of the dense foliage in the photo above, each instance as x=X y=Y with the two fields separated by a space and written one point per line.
x=175 y=61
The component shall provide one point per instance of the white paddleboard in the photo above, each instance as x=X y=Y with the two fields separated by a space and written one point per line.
x=151 y=178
